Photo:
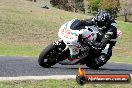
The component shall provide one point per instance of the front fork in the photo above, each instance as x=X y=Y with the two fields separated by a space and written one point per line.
x=74 y=49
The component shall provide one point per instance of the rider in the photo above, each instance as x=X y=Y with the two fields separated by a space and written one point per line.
x=107 y=29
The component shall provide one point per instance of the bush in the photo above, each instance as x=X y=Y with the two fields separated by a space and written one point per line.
x=112 y=6
x=69 y=5
x=94 y=4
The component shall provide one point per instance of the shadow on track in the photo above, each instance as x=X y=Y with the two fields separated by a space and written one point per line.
x=103 y=69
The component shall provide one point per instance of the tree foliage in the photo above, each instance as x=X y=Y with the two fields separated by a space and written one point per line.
x=69 y=5
x=94 y=4
x=112 y=6
x=126 y=6
x=79 y=5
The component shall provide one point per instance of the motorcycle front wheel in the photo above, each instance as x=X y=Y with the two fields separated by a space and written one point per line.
x=48 y=57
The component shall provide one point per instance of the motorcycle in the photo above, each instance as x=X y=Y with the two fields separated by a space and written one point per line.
x=68 y=50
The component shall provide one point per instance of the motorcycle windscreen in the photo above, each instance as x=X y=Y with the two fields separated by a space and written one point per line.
x=75 y=24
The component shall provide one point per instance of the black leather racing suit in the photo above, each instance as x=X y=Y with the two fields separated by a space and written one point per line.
x=108 y=34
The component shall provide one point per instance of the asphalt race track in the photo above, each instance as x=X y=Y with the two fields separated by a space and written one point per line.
x=28 y=66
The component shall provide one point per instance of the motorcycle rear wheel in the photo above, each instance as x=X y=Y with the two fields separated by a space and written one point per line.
x=92 y=64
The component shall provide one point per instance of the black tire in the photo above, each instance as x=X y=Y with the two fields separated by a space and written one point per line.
x=81 y=80
x=46 y=59
x=93 y=65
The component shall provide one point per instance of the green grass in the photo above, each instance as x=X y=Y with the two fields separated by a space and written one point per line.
x=123 y=49
x=19 y=50
x=121 y=60
x=57 y=84
x=25 y=29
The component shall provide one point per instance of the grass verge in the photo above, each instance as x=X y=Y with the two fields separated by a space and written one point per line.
x=57 y=84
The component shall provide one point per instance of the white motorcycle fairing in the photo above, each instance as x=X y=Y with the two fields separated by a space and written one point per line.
x=70 y=38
